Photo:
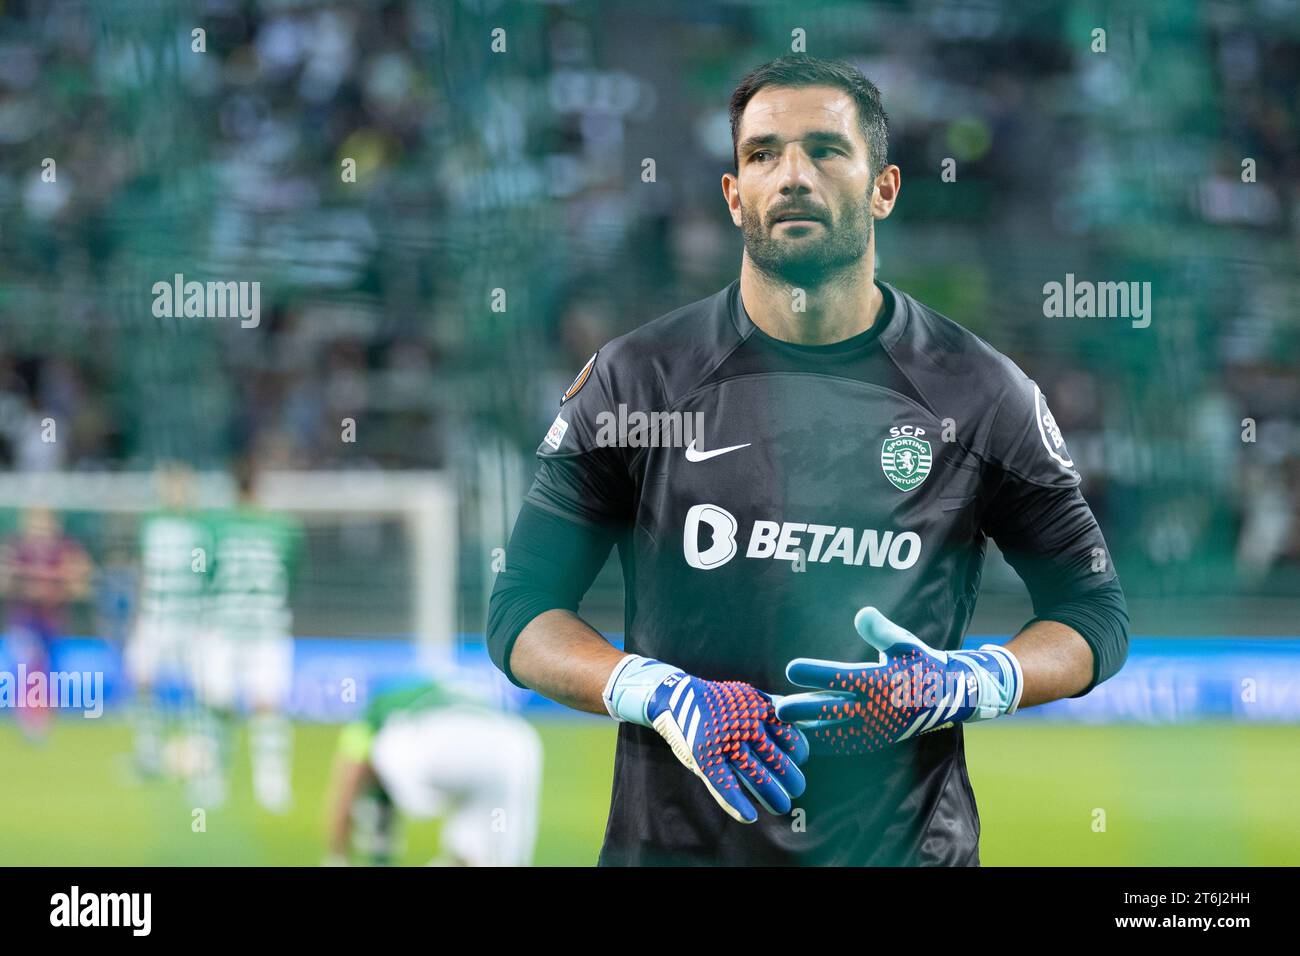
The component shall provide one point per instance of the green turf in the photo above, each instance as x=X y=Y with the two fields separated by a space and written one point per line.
x=1209 y=794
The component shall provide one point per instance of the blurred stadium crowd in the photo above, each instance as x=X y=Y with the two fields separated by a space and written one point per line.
x=524 y=170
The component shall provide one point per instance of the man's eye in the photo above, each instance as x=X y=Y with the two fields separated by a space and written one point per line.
x=824 y=151
x=760 y=154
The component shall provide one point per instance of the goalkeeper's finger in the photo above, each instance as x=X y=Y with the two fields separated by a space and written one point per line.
x=821 y=674
x=815 y=726
x=790 y=739
x=817 y=705
x=882 y=633
x=782 y=765
x=728 y=792
x=765 y=781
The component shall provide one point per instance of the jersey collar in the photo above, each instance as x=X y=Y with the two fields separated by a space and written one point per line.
x=745 y=326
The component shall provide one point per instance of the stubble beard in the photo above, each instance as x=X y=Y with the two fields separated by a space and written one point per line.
x=804 y=263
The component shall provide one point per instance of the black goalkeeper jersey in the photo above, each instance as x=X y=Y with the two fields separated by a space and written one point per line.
x=798 y=484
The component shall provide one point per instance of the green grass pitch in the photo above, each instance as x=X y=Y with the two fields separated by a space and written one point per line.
x=1199 y=794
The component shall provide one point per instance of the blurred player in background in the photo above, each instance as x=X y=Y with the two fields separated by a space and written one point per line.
x=42 y=571
x=174 y=554
x=117 y=584
x=432 y=751
x=246 y=654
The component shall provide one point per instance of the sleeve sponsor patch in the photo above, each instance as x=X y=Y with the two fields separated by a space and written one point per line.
x=555 y=435
x=581 y=380
x=1053 y=440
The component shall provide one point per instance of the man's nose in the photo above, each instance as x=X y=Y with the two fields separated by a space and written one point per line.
x=796 y=171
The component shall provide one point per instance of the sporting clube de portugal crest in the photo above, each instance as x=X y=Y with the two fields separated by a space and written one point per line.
x=905 y=457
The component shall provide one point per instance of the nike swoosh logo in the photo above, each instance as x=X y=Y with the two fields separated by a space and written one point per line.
x=693 y=455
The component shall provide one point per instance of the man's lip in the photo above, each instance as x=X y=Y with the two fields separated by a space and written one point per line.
x=796 y=217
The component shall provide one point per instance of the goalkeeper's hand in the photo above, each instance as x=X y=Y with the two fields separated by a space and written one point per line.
x=912 y=689
x=725 y=732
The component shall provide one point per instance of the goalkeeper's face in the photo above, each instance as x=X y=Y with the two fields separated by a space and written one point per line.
x=803 y=192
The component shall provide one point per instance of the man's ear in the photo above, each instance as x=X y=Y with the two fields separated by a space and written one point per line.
x=731 y=196
x=884 y=192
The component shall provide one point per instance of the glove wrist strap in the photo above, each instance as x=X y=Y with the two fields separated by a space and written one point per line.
x=998 y=678
x=630 y=684
x=1000 y=692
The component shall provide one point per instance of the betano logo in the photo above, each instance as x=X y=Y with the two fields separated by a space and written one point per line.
x=789 y=541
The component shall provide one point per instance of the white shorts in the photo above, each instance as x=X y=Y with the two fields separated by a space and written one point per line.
x=481 y=770
x=254 y=669
x=160 y=645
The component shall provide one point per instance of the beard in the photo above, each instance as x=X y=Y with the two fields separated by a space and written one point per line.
x=805 y=261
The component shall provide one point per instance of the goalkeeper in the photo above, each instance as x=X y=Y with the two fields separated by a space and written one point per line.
x=800 y=571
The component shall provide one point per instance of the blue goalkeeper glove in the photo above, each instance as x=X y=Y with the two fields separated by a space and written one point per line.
x=726 y=733
x=913 y=689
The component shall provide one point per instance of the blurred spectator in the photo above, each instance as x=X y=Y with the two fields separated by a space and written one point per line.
x=381 y=183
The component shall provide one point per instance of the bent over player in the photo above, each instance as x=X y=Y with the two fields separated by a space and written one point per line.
x=431 y=751
x=801 y=474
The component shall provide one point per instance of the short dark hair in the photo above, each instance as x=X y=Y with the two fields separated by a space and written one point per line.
x=800 y=69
